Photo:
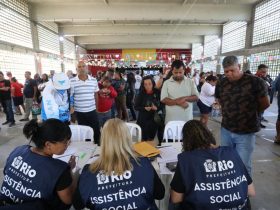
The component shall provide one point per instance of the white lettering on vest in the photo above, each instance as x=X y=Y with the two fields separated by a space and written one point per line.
x=104 y=179
x=227 y=184
x=23 y=167
x=219 y=166
x=18 y=186
x=120 y=195
x=127 y=207
x=225 y=198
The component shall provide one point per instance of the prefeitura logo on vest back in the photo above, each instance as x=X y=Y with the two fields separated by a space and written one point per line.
x=129 y=190
x=103 y=179
x=17 y=182
x=23 y=167
x=219 y=166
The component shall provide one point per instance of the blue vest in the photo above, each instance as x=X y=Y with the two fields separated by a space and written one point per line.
x=214 y=179
x=132 y=190
x=64 y=113
x=29 y=176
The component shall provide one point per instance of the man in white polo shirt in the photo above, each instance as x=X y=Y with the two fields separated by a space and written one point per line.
x=178 y=93
x=83 y=99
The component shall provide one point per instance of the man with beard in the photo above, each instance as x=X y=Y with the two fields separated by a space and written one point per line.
x=242 y=97
x=178 y=93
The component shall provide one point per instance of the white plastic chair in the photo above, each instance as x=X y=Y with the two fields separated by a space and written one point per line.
x=173 y=130
x=81 y=132
x=135 y=129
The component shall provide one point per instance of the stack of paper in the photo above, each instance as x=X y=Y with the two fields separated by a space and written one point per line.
x=82 y=151
x=168 y=154
x=66 y=155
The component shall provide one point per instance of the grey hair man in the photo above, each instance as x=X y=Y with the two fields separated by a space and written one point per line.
x=83 y=99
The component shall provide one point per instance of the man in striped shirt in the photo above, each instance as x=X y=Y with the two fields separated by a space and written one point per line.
x=83 y=99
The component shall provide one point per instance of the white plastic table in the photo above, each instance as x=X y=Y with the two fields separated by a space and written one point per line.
x=82 y=150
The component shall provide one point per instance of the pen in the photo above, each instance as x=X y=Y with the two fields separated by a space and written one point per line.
x=163 y=146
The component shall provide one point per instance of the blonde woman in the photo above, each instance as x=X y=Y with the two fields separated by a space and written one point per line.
x=119 y=178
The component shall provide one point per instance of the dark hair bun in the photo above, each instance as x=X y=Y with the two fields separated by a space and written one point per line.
x=31 y=128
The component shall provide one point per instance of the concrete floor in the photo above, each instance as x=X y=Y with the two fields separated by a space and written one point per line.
x=266 y=158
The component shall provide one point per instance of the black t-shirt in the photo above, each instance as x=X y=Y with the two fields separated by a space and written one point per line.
x=177 y=182
x=5 y=95
x=28 y=90
x=64 y=181
x=240 y=102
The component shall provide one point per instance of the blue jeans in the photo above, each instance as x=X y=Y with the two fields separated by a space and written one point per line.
x=243 y=143
x=103 y=117
x=137 y=91
x=7 y=106
x=113 y=110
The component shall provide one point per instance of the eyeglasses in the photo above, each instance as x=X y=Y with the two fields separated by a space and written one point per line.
x=66 y=142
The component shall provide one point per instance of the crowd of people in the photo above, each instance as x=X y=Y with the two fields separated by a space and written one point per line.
x=19 y=99
x=208 y=176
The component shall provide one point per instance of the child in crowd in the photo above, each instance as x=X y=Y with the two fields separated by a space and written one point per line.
x=17 y=95
x=106 y=96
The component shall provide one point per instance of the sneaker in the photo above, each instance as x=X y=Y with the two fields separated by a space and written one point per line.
x=263 y=126
x=5 y=123
x=24 y=120
x=12 y=124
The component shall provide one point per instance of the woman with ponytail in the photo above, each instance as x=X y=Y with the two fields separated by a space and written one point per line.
x=31 y=175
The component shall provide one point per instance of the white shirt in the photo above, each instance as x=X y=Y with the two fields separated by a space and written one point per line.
x=138 y=81
x=172 y=89
x=83 y=93
x=196 y=79
x=207 y=94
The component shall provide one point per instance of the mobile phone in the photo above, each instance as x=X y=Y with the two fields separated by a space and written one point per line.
x=171 y=166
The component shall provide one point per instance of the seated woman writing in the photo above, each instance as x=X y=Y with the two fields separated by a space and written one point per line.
x=209 y=177
x=119 y=178
x=31 y=174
